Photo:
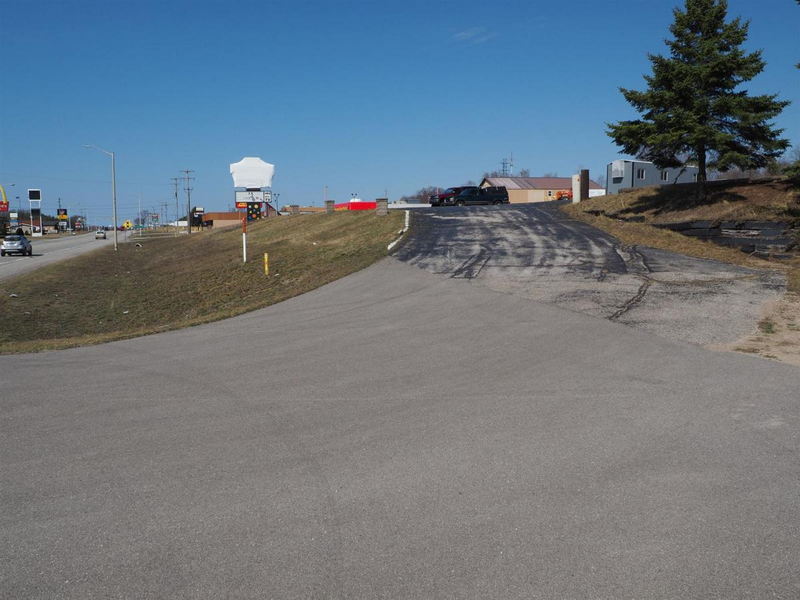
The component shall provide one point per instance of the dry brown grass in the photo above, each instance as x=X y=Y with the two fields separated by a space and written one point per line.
x=767 y=200
x=177 y=282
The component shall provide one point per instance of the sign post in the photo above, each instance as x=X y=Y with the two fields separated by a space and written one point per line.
x=244 y=237
x=63 y=219
x=252 y=178
x=35 y=200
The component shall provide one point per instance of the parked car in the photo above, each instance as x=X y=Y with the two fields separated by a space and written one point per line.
x=100 y=234
x=447 y=197
x=488 y=195
x=16 y=244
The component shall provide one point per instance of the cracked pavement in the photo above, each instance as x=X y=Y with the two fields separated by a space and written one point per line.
x=538 y=252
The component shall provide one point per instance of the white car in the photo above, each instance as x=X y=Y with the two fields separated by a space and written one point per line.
x=16 y=244
x=100 y=234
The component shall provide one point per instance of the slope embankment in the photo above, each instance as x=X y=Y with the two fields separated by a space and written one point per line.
x=161 y=284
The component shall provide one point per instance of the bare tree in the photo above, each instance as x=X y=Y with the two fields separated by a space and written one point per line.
x=421 y=195
x=522 y=173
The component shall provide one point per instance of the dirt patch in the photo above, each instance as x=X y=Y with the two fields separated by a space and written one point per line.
x=777 y=335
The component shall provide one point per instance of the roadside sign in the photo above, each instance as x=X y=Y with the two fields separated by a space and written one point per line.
x=3 y=205
x=62 y=214
x=13 y=216
x=250 y=196
x=34 y=194
x=253 y=211
x=241 y=205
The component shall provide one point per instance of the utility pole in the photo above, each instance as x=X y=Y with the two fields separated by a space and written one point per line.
x=188 y=189
x=177 y=209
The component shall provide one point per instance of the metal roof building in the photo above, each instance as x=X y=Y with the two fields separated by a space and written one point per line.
x=534 y=189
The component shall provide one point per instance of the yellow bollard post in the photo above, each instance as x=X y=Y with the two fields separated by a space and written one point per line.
x=266 y=263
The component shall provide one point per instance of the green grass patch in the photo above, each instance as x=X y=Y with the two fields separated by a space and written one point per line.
x=177 y=282
x=766 y=326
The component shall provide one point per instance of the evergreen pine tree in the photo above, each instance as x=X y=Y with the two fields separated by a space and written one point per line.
x=693 y=110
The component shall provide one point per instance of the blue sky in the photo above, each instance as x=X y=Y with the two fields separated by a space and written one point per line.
x=364 y=97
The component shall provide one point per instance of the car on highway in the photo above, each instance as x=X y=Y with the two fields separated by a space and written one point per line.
x=16 y=244
x=100 y=234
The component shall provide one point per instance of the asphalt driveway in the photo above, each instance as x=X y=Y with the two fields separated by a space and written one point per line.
x=537 y=252
x=398 y=434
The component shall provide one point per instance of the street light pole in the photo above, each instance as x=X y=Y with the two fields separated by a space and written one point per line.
x=113 y=187
x=114 y=196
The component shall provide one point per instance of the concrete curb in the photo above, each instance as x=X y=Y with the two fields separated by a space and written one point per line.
x=402 y=232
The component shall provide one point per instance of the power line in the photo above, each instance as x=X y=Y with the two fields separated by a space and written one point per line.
x=188 y=189
x=177 y=210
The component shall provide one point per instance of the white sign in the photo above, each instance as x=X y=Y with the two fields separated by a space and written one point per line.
x=250 y=196
x=12 y=215
x=252 y=172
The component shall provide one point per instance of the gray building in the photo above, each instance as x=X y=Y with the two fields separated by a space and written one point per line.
x=638 y=173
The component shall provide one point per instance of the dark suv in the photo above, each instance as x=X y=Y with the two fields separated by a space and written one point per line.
x=488 y=195
x=447 y=197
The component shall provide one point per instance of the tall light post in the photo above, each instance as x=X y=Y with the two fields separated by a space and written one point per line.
x=113 y=187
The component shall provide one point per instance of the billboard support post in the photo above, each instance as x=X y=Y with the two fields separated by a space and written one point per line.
x=244 y=238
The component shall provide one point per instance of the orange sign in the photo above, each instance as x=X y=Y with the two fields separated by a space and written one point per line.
x=241 y=205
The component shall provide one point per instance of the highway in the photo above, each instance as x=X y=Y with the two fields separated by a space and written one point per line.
x=52 y=248
x=400 y=434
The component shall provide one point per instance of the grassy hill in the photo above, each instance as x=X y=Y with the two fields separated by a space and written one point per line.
x=768 y=199
x=170 y=283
